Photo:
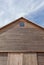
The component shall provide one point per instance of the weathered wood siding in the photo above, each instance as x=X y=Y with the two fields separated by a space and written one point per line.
x=18 y=59
x=3 y=58
x=40 y=58
x=26 y=39
x=22 y=59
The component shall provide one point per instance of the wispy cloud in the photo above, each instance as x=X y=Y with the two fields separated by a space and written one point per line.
x=13 y=9
x=39 y=6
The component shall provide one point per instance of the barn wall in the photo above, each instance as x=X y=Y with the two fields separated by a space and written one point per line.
x=18 y=58
x=21 y=58
x=22 y=39
x=29 y=38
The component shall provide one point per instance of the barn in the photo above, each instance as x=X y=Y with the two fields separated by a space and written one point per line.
x=22 y=43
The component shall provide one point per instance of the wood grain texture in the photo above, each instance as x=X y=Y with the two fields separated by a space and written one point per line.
x=41 y=58
x=30 y=38
x=3 y=58
x=22 y=40
x=15 y=59
x=30 y=59
x=22 y=59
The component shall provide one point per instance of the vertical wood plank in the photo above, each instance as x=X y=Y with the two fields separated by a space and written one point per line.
x=15 y=59
x=30 y=59
x=34 y=59
x=22 y=59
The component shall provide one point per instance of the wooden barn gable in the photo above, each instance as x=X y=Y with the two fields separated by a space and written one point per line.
x=22 y=36
x=22 y=43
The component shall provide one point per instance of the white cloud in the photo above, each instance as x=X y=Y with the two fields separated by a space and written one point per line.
x=13 y=9
x=1 y=13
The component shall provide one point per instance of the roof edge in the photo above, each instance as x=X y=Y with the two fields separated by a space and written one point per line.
x=19 y=19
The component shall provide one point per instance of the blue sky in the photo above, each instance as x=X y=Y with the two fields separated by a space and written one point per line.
x=13 y=9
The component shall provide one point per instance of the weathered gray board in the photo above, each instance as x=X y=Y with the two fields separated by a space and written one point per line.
x=22 y=40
